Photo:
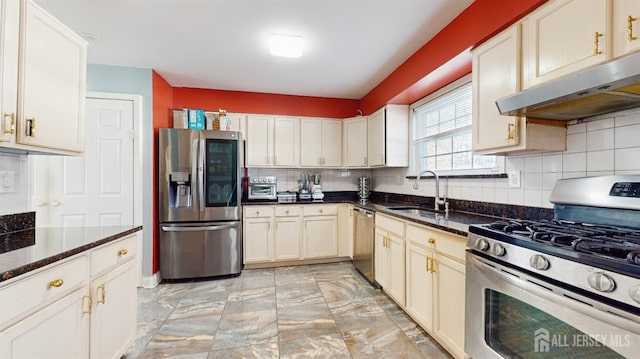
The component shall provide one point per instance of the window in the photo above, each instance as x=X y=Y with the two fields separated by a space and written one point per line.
x=442 y=133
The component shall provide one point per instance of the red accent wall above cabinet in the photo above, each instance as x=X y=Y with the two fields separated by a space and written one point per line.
x=477 y=23
x=263 y=103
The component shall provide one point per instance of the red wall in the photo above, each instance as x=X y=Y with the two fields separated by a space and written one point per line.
x=162 y=105
x=478 y=22
x=263 y=103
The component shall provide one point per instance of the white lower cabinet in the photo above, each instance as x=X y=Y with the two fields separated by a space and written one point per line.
x=74 y=315
x=291 y=233
x=390 y=257
x=60 y=330
x=435 y=280
x=287 y=233
x=320 y=231
x=420 y=282
x=113 y=317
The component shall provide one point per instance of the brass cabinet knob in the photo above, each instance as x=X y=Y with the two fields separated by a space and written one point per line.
x=123 y=252
x=56 y=283
x=431 y=241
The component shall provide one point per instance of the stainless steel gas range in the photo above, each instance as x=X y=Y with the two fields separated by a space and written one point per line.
x=562 y=288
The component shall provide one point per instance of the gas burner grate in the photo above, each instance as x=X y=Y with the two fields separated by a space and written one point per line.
x=612 y=242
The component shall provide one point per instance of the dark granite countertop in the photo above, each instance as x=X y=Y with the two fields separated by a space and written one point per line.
x=455 y=221
x=23 y=251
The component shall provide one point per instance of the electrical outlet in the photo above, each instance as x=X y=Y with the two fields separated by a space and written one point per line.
x=514 y=179
x=7 y=182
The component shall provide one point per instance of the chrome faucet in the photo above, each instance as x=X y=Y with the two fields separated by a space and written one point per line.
x=438 y=201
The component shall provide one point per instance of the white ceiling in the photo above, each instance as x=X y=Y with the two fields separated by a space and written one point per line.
x=350 y=45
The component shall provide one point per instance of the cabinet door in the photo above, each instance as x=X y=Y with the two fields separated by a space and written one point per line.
x=626 y=16
x=331 y=143
x=287 y=238
x=258 y=240
x=286 y=142
x=395 y=289
x=311 y=142
x=355 y=142
x=60 y=330
x=376 y=139
x=113 y=321
x=320 y=236
x=259 y=141
x=449 y=304
x=552 y=48
x=382 y=258
x=9 y=36
x=51 y=94
x=419 y=280
x=496 y=69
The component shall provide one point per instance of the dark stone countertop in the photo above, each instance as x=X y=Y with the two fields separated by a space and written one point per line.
x=455 y=221
x=23 y=251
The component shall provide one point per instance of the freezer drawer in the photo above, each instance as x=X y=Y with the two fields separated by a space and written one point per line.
x=194 y=250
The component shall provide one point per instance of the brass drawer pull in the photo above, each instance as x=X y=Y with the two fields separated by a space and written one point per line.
x=103 y=294
x=123 y=252
x=431 y=241
x=630 y=21
x=11 y=129
x=596 y=43
x=56 y=283
x=89 y=304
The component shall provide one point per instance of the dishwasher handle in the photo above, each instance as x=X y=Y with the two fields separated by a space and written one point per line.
x=198 y=229
x=364 y=212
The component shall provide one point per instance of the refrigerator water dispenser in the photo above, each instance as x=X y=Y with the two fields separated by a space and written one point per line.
x=180 y=189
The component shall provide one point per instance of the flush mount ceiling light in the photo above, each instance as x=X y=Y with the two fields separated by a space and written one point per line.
x=285 y=45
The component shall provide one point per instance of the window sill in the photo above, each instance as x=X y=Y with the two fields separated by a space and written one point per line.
x=493 y=175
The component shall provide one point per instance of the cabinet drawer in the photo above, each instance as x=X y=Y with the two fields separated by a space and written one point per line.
x=390 y=224
x=320 y=210
x=48 y=284
x=111 y=254
x=287 y=211
x=258 y=211
x=443 y=242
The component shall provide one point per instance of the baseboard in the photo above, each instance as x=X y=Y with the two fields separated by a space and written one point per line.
x=296 y=262
x=150 y=281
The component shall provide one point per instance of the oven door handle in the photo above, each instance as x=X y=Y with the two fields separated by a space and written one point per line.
x=564 y=298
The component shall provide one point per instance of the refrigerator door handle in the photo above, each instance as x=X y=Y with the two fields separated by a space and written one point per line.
x=201 y=168
x=196 y=229
x=195 y=173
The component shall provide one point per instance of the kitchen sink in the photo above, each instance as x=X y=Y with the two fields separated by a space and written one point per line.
x=415 y=211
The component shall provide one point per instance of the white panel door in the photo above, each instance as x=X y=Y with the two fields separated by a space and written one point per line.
x=95 y=189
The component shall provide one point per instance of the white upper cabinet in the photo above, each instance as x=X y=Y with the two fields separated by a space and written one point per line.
x=286 y=146
x=354 y=145
x=9 y=34
x=626 y=26
x=496 y=70
x=564 y=36
x=45 y=111
x=321 y=142
x=388 y=137
x=272 y=141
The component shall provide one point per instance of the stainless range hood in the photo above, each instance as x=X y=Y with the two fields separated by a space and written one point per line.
x=609 y=87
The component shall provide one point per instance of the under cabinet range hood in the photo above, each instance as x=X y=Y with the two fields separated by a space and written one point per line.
x=604 y=88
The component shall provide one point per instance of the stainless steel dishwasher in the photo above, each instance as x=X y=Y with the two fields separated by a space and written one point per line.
x=363 y=243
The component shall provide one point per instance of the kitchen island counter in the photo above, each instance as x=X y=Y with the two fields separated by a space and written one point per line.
x=26 y=250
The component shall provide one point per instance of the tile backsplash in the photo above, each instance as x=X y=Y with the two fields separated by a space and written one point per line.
x=604 y=146
x=17 y=200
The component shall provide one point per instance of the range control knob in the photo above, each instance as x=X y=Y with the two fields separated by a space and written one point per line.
x=634 y=293
x=498 y=249
x=482 y=244
x=539 y=262
x=601 y=282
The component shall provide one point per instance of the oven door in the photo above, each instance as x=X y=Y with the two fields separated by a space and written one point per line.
x=511 y=314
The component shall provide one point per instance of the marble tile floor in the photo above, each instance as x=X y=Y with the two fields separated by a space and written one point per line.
x=310 y=311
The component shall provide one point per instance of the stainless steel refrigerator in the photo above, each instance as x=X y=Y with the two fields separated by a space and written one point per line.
x=199 y=205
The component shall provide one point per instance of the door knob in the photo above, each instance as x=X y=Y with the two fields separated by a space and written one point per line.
x=55 y=203
x=41 y=204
